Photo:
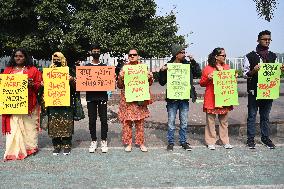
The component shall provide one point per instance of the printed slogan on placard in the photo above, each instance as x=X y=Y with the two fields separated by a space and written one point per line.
x=95 y=78
x=268 y=86
x=56 y=86
x=178 y=81
x=14 y=94
x=225 y=88
x=136 y=83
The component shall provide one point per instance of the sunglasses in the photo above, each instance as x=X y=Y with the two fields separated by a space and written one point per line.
x=130 y=55
x=266 y=39
x=222 y=55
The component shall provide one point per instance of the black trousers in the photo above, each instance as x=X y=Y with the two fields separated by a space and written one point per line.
x=62 y=142
x=93 y=108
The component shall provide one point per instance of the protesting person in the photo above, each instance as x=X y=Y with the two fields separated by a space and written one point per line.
x=21 y=130
x=216 y=62
x=132 y=112
x=181 y=105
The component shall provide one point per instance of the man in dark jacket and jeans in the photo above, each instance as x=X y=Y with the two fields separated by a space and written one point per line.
x=178 y=52
x=252 y=65
x=97 y=102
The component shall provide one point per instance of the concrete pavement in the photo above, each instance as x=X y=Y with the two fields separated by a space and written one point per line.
x=201 y=168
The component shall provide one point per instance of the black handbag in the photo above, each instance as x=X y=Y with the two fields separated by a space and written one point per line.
x=78 y=108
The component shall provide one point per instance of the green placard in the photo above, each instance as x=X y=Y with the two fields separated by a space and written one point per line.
x=178 y=81
x=136 y=83
x=225 y=88
x=268 y=85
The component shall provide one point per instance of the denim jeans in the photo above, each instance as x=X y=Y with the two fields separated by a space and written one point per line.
x=172 y=108
x=264 y=106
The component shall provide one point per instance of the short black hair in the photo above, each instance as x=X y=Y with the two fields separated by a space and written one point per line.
x=133 y=49
x=95 y=46
x=28 y=60
x=265 y=32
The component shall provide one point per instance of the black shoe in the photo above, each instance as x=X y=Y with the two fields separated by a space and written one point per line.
x=66 y=151
x=186 y=146
x=56 y=151
x=170 y=147
x=268 y=143
x=251 y=143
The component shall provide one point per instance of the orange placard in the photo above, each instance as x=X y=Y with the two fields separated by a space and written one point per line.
x=95 y=78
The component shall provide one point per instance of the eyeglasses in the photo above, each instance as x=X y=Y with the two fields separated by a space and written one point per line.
x=130 y=55
x=266 y=39
x=222 y=55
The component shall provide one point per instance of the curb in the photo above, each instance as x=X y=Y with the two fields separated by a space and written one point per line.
x=276 y=128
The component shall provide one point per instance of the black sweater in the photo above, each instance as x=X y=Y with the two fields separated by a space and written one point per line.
x=96 y=95
x=254 y=59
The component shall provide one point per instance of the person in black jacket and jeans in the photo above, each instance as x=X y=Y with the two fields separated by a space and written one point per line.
x=178 y=52
x=97 y=102
x=252 y=63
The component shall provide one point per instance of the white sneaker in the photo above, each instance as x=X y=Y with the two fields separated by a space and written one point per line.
x=143 y=148
x=128 y=148
x=228 y=146
x=211 y=147
x=93 y=147
x=104 y=147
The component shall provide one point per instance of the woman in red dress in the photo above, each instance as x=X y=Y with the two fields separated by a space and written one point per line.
x=216 y=62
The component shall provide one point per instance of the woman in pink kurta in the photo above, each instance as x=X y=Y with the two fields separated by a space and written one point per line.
x=130 y=112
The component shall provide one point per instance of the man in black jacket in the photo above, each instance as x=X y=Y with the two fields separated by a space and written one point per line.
x=252 y=65
x=178 y=52
x=97 y=102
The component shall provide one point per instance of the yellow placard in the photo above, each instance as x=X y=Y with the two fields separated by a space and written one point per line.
x=56 y=86
x=14 y=94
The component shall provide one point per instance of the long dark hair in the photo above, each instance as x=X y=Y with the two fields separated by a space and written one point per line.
x=28 y=60
x=211 y=56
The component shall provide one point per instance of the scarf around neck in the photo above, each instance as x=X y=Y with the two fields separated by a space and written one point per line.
x=262 y=51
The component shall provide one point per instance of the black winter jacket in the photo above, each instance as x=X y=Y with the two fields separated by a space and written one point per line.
x=194 y=72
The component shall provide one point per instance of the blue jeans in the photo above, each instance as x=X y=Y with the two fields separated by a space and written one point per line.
x=172 y=108
x=264 y=110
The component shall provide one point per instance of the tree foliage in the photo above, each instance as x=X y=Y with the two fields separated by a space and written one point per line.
x=70 y=26
x=265 y=8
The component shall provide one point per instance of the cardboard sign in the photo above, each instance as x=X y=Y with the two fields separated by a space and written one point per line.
x=56 y=86
x=14 y=94
x=136 y=83
x=178 y=81
x=95 y=78
x=268 y=86
x=225 y=88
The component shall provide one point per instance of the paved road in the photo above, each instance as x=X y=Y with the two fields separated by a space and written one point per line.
x=157 y=168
